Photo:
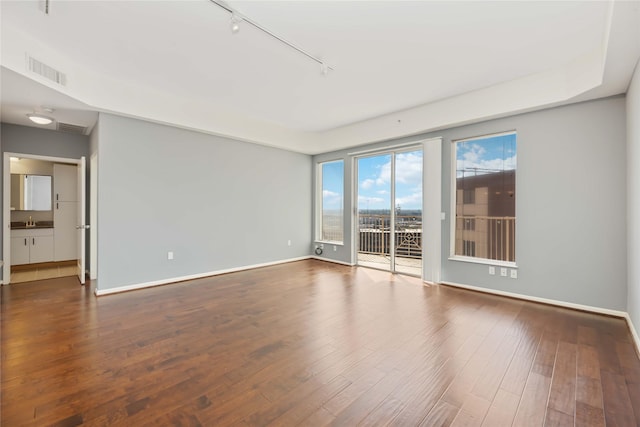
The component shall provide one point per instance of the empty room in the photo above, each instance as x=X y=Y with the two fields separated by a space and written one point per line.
x=320 y=213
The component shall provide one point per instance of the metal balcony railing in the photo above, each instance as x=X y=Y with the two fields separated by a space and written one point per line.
x=375 y=230
x=489 y=237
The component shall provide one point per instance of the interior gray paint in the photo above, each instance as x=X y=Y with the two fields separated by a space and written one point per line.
x=42 y=142
x=633 y=199
x=216 y=203
x=570 y=207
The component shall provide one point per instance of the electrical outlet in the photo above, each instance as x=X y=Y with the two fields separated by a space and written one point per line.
x=503 y=272
x=335 y=248
x=492 y=270
x=288 y=242
x=514 y=273
x=170 y=255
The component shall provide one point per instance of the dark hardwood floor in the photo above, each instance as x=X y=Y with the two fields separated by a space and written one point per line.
x=308 y=343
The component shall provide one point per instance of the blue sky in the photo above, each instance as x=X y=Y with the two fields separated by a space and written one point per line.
x=477 y=156
x=332 y=185
x=486 y=155
x=374 y=181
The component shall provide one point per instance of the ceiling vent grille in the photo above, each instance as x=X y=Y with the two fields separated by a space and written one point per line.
x=69 y=128
x=46 y=71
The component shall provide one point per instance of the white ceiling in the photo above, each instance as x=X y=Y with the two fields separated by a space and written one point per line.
x=400 y=68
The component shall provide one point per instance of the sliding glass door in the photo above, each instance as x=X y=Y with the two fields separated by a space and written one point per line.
x=389 y=213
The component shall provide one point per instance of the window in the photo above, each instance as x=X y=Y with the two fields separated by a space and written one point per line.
x=469 y=196
x=330 y=212
x=485 y=198
x=468 y=248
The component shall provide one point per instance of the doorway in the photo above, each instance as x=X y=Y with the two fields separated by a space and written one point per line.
x=389 y=211
x=46 y=242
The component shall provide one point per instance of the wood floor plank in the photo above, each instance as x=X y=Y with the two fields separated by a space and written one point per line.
x=589 y=401
x=555 y=418
x=562 y=396
x=472 y=412
x=307 y=343
x=618 y=408
x=502 y=410
x=441 y=415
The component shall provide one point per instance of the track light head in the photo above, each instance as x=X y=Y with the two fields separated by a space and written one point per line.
x=324 y=68
x=235 y=23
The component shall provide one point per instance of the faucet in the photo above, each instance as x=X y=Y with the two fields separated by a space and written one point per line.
x=30 y=223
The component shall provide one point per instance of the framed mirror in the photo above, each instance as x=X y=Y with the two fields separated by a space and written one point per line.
x=31 y=192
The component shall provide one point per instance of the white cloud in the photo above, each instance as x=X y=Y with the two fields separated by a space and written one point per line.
x=382 y=192
x=484 y=166
x=408 y=170
x=367 y=184
x=413 y=199
x=371 y=200
x=331 y=198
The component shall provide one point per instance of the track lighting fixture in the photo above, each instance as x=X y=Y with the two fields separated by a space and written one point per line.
x=235 y=23
x=237 y=18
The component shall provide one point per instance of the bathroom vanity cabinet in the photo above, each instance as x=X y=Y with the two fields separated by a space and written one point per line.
x=29 y=246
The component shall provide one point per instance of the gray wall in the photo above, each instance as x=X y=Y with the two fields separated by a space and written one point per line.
x=633 y=199
x=42 y=142
x=571 y=201
x=216 y=203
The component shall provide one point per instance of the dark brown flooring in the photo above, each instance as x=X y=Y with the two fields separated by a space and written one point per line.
x=308 y=343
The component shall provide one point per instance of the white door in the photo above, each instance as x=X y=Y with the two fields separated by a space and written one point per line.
x=65 y=220
x=81 y=227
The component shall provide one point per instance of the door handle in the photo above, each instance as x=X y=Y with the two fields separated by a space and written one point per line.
x=33 y=240
x=25 y=241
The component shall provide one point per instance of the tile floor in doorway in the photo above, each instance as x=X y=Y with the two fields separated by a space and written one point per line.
x=44 y=272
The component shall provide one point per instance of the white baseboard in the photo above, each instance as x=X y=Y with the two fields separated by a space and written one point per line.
x=634 y=334
x=333 y=261
x=558 y=303
x=101 y=292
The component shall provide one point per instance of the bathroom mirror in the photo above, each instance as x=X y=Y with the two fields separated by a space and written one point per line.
x=30 y=192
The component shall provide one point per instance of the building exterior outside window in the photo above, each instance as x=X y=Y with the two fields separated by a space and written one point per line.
x=485 y=198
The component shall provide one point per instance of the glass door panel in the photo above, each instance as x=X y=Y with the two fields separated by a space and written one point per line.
x=408 y=212
x=374 y=212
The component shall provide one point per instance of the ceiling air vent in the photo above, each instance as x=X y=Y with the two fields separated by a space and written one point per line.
x=46 y=71
x=69 y=128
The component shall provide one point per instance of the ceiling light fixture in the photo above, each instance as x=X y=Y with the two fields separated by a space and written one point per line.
x=236 y=18
x=40 y=119
x=235 y=23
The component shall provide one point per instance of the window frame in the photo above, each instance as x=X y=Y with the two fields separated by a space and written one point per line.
x=319 y=222
x=453 y=200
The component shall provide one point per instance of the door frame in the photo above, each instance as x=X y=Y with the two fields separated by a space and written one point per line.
x=392 y=152
x=432 y=214
x=6 y=203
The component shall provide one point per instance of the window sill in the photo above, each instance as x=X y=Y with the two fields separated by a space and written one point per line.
x=329 y=242
x=483 y=261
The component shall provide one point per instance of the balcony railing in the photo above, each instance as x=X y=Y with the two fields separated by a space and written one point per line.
x=376 y=229
x=489 y=237
x=476 y=236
